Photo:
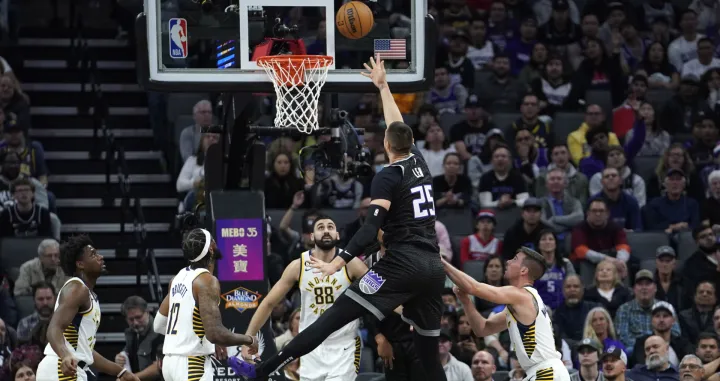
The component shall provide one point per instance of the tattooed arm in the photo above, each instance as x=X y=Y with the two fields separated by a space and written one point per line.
x=206 y=290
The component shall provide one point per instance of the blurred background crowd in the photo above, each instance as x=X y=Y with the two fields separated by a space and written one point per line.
x=585 y=129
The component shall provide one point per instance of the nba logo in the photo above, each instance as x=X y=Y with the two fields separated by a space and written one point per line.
x=178 y=38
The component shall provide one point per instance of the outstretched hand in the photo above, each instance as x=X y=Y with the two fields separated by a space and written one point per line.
x=376 y=73
x=324 y=268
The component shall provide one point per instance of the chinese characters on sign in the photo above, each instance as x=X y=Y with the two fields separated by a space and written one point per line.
x=242 y=244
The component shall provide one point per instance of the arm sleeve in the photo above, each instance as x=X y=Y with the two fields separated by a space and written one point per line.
x=382 y=188
x=634 y=145
x=636 y=217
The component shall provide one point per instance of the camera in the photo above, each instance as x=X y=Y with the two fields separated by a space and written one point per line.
x=342 y=154
x=189 y=220
x=280 y=30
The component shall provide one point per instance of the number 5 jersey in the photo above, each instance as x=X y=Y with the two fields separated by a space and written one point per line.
x=185 y=333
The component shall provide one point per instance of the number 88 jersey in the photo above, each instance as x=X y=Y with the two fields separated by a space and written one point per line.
x=185 y=333
x=317 y=294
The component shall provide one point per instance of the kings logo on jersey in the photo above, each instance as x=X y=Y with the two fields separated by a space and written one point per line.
x=178 y=38
x=241 y=299
x=371 y=282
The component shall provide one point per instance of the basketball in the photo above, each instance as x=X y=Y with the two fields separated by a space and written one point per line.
x=354 y=20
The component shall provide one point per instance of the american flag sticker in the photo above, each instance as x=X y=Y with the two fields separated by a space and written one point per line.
x=390 y=49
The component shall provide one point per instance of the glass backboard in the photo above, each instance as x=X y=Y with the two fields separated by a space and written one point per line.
x=188 y=45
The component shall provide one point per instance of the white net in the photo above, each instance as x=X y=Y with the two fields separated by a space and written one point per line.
x=297 y=81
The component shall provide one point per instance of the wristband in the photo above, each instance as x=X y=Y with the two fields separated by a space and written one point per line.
x=121 y=373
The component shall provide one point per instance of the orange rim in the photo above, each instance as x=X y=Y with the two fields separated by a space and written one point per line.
x=294 y=61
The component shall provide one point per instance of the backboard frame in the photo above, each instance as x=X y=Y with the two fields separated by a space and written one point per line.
x=152 y=80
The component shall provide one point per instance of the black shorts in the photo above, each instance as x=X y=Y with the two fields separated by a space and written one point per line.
x=409 y=278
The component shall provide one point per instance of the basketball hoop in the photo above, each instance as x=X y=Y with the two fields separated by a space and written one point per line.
x=297 y=80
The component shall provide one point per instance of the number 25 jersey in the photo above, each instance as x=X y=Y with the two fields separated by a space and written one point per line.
x=185 y=333
x=407 y=184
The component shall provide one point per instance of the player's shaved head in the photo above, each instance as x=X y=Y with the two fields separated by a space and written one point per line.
x=534 y=262
x=399 y=137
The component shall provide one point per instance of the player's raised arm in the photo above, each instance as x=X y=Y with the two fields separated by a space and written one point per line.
x=481 y=326
x=74 y=297
x=356 y=269
x=507 y=295
x=376 y=72
x=206 y=290
x=277 y=293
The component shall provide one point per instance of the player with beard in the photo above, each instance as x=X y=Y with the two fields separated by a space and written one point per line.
x=73 y=326
x=338 y=357
x=614 y=364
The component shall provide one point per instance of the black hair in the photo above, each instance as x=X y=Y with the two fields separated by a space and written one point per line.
x=705 y=39
x=502 y=266
x=535 y=263
x=22 y=181
x=448 y=291
x=599 y=200
x=193 y=245
x=558 y=145
x=593 y=132
x=501 y=146
x=41 y=285
x=321 y=216
x=501 y=55
x=449 y=154
x=708 y=336
x=71 y=251
x=400 y=138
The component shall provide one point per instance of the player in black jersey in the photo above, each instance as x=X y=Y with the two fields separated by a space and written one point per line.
x=410 y=274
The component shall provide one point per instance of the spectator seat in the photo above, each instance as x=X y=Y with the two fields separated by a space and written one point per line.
x=506 y=218
x=370 y=377
x=367 y=360
x=504 y=121
x=182 y=103
x=25 y=305
x=475 y=270
x=180 y=123
x=644 y=244
x=457 y=221
x=55 y=226
x=645 y=166
x=411 y=119
x=565 y=123
x=500 y=375
x=651 y=265
x=16 y=251
x=686 y=245
x=449 y=120
x=658 y=97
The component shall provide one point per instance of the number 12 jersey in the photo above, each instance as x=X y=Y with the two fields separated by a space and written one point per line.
x=185 y=333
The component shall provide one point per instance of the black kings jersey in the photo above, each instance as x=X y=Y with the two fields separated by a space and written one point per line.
x=407 y=184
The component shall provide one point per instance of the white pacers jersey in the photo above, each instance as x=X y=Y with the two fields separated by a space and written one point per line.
x=80 y=334
x=318 y=294
x=185 y=334
x=535 y=343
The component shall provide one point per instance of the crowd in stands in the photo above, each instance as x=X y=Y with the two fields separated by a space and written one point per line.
x=616 y=136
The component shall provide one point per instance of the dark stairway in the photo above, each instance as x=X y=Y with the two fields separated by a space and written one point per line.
x=66 y=132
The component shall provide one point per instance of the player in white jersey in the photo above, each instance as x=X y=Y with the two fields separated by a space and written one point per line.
x=189 y=316
x=73 y=327
x=338 y=357
x=525 y=314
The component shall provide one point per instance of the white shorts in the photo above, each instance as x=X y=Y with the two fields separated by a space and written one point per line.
x=336 y=362
x=187 y=368
x=49 y=370
x=548 y=371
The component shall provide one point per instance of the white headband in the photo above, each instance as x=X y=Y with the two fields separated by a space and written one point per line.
x=204 y=252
